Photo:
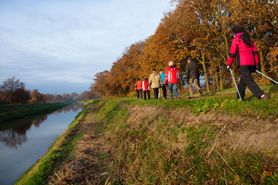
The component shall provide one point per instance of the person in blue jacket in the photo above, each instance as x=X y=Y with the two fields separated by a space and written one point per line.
x=163 y=87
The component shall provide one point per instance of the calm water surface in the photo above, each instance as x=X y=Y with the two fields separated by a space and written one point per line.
x=24 y=141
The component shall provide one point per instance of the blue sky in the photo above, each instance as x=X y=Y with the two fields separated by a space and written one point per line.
x=58 y=46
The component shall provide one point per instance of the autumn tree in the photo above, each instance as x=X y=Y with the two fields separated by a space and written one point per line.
x=200 y=29
x=37 y=97
x=101 y=85
x=13 y=91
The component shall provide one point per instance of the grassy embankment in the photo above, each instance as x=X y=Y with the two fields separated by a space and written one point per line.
x=60 y=151
x=213 y=140
x=151 y=142
x=12 y=112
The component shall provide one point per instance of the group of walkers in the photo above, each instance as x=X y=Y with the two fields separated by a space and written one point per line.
x=160 y=82
x=243 y=49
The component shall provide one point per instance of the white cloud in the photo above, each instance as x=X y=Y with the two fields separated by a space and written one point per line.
x=69 y=41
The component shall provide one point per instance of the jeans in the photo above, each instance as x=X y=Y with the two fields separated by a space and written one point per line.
x=173 y=88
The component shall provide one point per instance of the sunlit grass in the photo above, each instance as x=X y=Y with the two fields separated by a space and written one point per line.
x=160 y=151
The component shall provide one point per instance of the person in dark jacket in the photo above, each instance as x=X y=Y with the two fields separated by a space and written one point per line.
x=192 y=76
x=248 y=61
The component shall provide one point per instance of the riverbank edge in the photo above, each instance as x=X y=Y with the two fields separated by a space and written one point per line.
x=57 y=153
x=30 y=110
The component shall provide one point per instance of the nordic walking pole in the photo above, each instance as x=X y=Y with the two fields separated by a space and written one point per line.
x=233 y=77
x=266 y=76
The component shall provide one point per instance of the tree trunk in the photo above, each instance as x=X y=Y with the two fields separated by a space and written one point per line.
x=221 y=85
x=263 y=67
x=205 y=71
x=216 y=81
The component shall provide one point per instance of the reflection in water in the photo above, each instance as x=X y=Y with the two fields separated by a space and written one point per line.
x=73 y=107
x=11 y=138
x=13 y=133
x=16 y=134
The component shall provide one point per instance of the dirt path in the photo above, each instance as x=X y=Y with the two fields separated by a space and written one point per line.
x=88 y=165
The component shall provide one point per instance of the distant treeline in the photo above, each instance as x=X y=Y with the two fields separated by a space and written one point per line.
x=200 y=29
x=13 y=91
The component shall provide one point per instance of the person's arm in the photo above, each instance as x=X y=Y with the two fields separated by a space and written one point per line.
x=232 y=54
x=150 y=79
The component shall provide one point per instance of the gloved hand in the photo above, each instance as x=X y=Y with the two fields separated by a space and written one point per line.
x=229 y=67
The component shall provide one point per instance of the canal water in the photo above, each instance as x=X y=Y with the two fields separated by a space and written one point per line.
x=24 y=141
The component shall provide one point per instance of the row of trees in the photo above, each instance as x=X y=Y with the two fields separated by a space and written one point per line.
x=200 y=29
x=14 y=91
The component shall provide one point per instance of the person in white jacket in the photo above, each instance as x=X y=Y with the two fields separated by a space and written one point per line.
x=155 y=83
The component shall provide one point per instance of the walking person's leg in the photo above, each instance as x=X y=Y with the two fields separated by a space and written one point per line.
x=156 y=90
x=190 y=86
x=137 y=91
x=145 y=95
x=140 y=94
x=170 y=89
x=251 y=84
x=149 y=94
x=175 y=89
x=164 y=91
x=241 y=87
x=196 y=85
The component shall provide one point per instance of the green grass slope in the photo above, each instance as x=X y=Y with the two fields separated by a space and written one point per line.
x=153 y=142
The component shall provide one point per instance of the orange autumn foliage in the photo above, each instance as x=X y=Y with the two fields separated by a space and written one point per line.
x=200 y=29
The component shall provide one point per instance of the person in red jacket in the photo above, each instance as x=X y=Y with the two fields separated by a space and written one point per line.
x=146 y=88
x=172 y=79
x=139 y=89
x=244 y=49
